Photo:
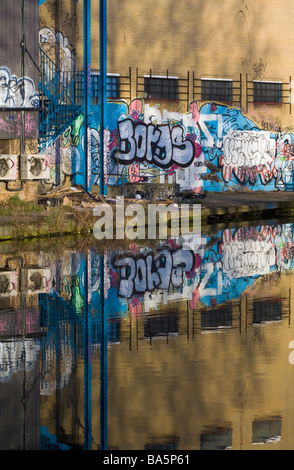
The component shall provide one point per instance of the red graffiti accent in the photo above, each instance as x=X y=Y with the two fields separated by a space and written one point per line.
x=134 y=248
x=170 y=171
x=265 y=233
x=195 y=111
x=213 y=107
x=198 y=148
x=134 y=173
x=135 y=107
x=195 y=299
x=135 y=307
x=113 y=139
x=266 y=172
x=287 y=151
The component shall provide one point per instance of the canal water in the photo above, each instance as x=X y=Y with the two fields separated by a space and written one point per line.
x=184 y=344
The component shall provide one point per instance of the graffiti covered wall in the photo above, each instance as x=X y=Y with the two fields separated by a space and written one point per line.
x=19 y=75
x=213 y=148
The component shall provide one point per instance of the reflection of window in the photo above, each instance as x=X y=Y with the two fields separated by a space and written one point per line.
x=113 y=328
x=168 y=446
x=216 y=318
x=161 y=325
x=218 y=440
x=113 y=332
x=161 y=88
x=267 y=92
x=266 y=432
x=265 y=311
x=216 y=90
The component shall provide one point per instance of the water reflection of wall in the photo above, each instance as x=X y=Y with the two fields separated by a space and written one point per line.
x=211 y=272
x=234 y=281
x=191 y=390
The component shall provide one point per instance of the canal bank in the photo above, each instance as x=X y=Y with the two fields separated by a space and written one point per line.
x=71 y=211
x=247 y=206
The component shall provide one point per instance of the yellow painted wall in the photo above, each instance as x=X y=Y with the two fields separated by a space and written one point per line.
x=229 y=379
x=215 y=39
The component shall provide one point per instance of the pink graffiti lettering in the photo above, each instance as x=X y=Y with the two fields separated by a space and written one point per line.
x=30 y=126
x=6 y=127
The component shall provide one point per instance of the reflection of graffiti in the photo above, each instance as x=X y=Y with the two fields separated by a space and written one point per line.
x=243 y=255
x=17 y=92
x=11 y=352
x=149 y=272
x=247 y=253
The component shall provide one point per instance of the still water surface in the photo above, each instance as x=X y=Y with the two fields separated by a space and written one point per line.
x=188 y=344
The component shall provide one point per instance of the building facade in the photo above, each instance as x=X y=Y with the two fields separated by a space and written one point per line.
x=206 y=88
x=208 y=68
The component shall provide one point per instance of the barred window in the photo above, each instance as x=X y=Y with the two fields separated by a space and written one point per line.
x=218 y=440
x=161 y=88
x=161 y=325
x=267 y=311
x=216 y=90
x=112 y=85
x=264 y=432
x=267 y=92
x=220 y=317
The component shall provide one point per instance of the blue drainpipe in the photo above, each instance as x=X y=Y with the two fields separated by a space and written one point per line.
x=103 y=91
x=87 y=93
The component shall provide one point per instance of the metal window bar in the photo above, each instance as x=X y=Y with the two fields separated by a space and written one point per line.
x=273 y=93
x=163 y=87
x=261 y=310
x=125 y=86
x=219 y=317
x=118 y=86
x=216 y=90
x=233 y=97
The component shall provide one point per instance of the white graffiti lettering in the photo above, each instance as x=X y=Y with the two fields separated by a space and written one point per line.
x=17 y=92
x=159 y=145
x=247 y=155
x=149 y=272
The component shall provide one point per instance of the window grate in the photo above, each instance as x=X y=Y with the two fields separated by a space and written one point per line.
x=216 y=90
x=161 y=88
x=267 y=92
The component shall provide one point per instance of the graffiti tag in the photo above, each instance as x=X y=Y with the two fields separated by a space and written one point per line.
x=150 y=272
x=159 y=145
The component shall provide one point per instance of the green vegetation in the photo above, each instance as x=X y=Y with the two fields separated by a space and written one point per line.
x=26 y=220
x=15 y=205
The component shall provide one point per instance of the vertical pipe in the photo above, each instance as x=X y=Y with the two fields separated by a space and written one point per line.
x=290 y=93
x=103 y=355
x=103 y=92
x=87 y=92
x=22 y=45
x=87 y=355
